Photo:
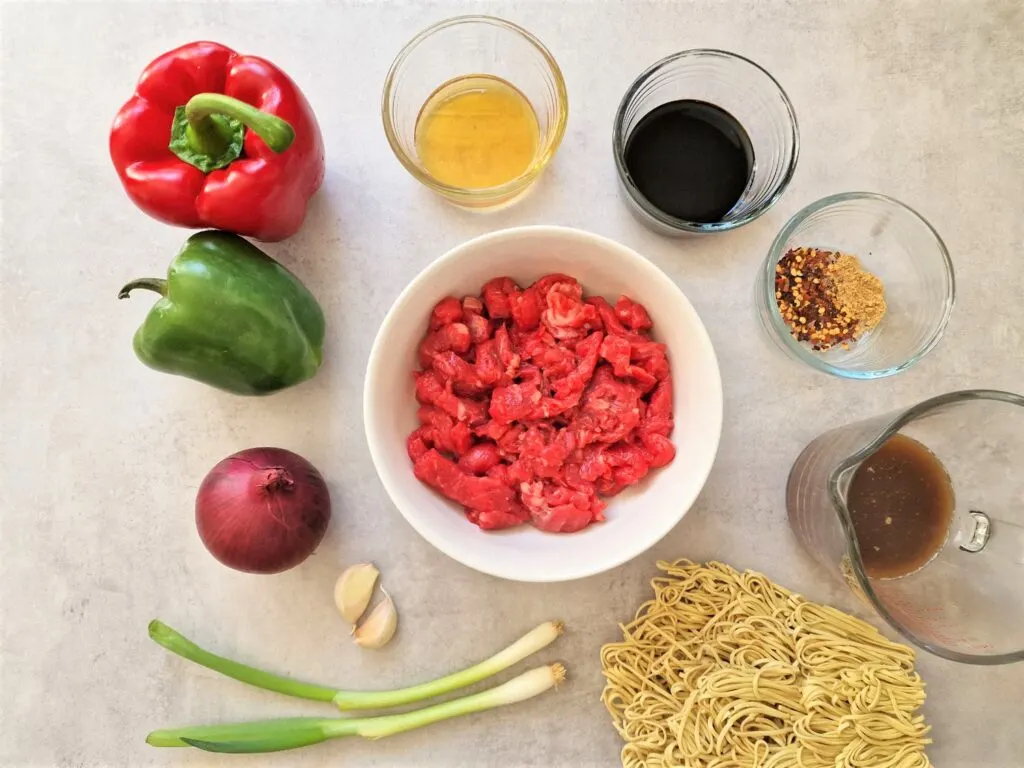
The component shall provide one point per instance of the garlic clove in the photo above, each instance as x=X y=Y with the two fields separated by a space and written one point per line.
x=379 y=627
x=354 y=589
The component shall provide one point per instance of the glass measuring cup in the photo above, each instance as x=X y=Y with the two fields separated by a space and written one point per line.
x=967 y=602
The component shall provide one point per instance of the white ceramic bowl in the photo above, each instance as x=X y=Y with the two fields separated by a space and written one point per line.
x=636 y=518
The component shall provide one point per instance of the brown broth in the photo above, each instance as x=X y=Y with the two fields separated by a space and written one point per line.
x=901 y=504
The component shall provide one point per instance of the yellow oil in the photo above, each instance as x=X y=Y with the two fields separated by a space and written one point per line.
x=476 y=132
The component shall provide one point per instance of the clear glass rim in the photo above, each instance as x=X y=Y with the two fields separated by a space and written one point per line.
x=781 y=330
x=619 y=147
x=852 y=548
x=555 y=135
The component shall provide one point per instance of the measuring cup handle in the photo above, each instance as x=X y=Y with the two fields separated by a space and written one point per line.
x=982 y=529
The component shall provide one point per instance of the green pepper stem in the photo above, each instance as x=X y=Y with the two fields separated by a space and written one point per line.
x=207 y=136
x=179 y=644
x=157 y=284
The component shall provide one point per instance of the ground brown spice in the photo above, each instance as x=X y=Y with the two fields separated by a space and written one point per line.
x=827 y=298
x=858 y=292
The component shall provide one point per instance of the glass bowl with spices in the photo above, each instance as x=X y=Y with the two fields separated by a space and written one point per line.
x=475 y=107
x=857 y=285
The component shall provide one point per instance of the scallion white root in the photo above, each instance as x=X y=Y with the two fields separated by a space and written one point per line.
x=534 y=640
x=526 y=686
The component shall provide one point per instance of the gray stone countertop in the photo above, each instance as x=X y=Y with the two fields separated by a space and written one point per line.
x=101 y=457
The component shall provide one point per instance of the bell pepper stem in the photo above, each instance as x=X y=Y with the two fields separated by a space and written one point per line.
x=206 y=135
x=157 y=284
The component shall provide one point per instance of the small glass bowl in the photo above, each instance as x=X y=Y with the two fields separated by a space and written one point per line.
x=474 y=45
x=892 y=242
x=741 y=88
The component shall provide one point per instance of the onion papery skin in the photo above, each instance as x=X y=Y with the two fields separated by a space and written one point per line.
x=262 y=510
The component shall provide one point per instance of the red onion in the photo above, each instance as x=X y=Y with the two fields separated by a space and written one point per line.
x=263 y=510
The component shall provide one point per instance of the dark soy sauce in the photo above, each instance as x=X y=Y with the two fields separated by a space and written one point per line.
x=690 y=159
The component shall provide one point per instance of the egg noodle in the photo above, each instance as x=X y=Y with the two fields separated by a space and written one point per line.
x=724 y=669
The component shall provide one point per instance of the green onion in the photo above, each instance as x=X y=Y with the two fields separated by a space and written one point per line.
x=537 y=638
x=277 y=735
x=259 y=736
x=530 y=643
x=177 y=643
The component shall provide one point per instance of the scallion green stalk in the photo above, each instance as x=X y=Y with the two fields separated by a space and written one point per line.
x=257 y=736
x=538 y=638
x=278 y=735
x=177 y=643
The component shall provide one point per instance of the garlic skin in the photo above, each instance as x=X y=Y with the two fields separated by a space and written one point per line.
x=353 y=590
x=379 y=627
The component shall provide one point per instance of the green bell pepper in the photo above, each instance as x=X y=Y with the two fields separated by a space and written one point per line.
x=231 y=317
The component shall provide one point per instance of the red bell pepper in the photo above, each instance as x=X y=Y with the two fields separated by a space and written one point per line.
x=212 y=138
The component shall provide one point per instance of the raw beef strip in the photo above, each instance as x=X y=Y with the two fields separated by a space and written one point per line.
x=492 y=504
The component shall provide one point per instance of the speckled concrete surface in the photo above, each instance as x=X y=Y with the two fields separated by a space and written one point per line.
x=101 y=457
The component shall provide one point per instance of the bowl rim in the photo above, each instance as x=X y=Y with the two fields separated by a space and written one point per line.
x=637 y=262
x=801 y=353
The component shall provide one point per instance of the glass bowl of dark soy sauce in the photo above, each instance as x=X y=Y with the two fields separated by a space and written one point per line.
x=704 y=141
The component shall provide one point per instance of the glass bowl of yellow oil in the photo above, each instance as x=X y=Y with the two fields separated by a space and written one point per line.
x=474 y=108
